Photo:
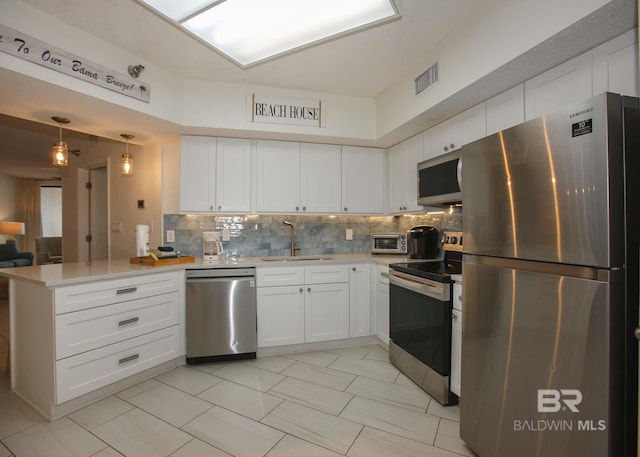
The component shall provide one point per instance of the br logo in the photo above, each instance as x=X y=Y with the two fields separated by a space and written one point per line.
x=553 y=400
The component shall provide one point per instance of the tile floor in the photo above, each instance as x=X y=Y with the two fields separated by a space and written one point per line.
x=348 y=402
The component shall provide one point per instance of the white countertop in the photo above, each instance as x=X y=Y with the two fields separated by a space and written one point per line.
x=63 y=274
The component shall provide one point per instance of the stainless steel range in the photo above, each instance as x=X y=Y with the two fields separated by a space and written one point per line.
x=420 y=307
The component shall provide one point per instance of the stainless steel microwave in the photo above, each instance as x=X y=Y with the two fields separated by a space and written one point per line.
x=440 y=180
x=389 y=243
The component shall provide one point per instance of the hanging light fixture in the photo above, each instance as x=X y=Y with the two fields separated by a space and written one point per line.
x=127 y=159
x=60 y=153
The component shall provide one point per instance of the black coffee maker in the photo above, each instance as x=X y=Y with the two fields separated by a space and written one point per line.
x=423 y=242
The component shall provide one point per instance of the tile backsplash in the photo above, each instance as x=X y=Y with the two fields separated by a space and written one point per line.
x=266 y=235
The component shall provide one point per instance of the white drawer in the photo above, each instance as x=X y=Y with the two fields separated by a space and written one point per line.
x=91 y=295
x=92 y=370
x=96 y=327
x=324 y=274
x=279 y=276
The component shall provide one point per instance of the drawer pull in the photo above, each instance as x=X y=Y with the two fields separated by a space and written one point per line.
x=129 y=359
x=128 y=321
x=128 y=290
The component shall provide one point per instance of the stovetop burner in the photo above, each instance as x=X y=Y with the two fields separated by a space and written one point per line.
x=438 y=270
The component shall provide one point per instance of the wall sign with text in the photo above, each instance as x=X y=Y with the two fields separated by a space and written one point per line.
x=291 y=111
x=28 y=48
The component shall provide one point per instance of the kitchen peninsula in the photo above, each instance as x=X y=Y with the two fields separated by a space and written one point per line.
x=83 y=331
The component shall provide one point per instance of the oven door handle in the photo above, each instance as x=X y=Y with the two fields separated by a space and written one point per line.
x=437 y=292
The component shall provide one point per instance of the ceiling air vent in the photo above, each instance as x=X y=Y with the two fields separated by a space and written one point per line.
x=427 y=78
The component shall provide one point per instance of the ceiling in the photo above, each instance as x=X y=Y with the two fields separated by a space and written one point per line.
x=361 y=64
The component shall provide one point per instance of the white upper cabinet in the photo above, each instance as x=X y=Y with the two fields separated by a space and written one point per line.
x=215 y=174
x=321 y=177
x=468 y=126
x=615 y=65
x=278 y=176
x=362 y=180
x=233 y=175
x=293 y=177
x=403 y=175
x=563 y=85
x=197 y=173
x=505 y=110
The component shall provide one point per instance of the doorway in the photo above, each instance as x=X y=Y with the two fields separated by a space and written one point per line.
x=93 y=209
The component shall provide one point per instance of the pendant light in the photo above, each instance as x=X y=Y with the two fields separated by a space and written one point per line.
x=127 y=159
x=60 y=152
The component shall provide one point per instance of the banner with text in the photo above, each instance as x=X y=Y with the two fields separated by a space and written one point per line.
x=292 y=111
x=28 y=48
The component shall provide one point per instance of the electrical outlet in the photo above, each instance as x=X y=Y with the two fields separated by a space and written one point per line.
x=116 y=227
x=226 y=236
x=171 y=236
x=349 y=234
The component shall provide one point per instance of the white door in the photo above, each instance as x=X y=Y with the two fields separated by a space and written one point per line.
x=415 y=155
x=233 y=175
x=326 y=312
x=563 y=85
x=505 y=110
x=398 y=178
x=197 y=173
x=359 y=300
x=321 y=173
x=278 y=176
x=383 y=311
x=280 y=312
x=362 y=180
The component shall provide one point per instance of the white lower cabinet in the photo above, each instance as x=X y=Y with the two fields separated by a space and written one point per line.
x=91 y=370
x=313 y=303
x=73 y=340
x=382 y=296
x=326 y=312
x=359 y=300
x=280 y=315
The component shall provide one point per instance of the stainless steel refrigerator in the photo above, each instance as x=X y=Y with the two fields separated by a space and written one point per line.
x=550 y=274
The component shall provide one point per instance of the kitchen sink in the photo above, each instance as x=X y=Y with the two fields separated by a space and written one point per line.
x=298 y=258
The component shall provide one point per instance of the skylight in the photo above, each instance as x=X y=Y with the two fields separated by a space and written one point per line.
x=251 y=31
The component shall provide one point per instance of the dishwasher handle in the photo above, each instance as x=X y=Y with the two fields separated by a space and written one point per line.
x=210 y=280
x=221 y=273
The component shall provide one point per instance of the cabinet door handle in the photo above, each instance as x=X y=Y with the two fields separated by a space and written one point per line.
x=301 y=290
x=452 y=145
x=128 y=290
x=308 y=289
x=384 y=275
x=304 y=208
x=345 y=209
x=129 y=359
x=446 y=148
x=128 y=321
x=353 y=269
x=219 y=207
x=460 y=298
x=454 y=317
x=297 y=208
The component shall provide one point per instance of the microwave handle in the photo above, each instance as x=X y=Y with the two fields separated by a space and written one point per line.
x=459 y=173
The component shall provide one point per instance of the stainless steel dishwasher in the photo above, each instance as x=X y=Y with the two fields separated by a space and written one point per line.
x=221 y=314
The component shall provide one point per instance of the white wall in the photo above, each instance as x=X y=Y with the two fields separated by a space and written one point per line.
x=124 y=193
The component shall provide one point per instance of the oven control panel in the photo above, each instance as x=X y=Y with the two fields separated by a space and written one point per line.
x=452 y=241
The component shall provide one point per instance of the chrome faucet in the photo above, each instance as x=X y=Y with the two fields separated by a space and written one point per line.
x=294 y=248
